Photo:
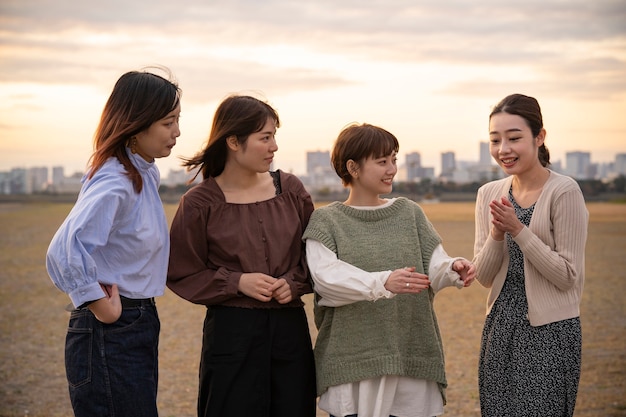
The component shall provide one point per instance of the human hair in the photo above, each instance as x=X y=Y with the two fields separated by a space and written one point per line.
x=528 y=109
x=358 y=142
x=138 y=99
x=239 y=116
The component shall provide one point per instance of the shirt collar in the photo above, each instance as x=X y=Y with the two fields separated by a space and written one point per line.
x=141 y=164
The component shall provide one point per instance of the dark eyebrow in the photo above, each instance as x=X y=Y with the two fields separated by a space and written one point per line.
x=170 y=116
x=507 y=131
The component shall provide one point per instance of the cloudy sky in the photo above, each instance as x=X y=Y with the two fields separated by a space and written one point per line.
x=428 y=71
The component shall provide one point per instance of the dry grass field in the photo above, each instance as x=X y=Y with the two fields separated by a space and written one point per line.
x=33 y=319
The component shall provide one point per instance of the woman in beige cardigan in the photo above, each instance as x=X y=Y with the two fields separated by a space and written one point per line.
x=531 y=229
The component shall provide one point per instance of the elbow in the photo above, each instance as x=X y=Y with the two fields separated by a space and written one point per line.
x=568 y=283
x=487 y=283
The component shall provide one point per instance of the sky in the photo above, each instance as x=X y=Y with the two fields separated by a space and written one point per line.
x=427 y=71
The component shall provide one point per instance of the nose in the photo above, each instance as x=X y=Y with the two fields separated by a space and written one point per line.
x=273 y=145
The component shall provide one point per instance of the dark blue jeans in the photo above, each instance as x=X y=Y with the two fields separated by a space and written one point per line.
x=112 y=369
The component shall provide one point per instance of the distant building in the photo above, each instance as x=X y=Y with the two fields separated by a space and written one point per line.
x=319 y=172
x=62 y=184
x=578 y=165
x=17 y=182
x=414 y=170
x=58 y=175
x=38 y=178
x=620 y=164
x=179 y=177
x=485 y=154
x=463 y=172
x=413 y=165
x=316 y=160
x=448 y=164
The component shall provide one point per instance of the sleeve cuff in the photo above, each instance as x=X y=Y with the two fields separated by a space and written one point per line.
x=85 y=294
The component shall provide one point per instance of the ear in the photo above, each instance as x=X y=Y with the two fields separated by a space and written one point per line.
x=541 y=137
x=232 y=142
x=353 y=168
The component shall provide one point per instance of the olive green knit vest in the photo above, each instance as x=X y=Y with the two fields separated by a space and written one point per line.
x=396 y=336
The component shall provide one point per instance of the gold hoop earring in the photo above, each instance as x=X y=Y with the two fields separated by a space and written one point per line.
x=133 y=145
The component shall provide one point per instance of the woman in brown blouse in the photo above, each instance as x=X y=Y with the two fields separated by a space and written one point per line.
x=236 y=248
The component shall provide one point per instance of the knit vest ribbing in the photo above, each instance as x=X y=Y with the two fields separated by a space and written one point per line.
x=363 y=340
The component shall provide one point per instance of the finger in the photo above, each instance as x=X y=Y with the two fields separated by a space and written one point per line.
x=277 y=284
x=115 y=291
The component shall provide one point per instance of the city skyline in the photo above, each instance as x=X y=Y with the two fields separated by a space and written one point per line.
x=570 y=156
x=429 y=72
x=320 y=174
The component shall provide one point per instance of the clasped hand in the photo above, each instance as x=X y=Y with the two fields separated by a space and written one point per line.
x=264 y=287
x=407 y=281
x=504 y=219
x=466 y=271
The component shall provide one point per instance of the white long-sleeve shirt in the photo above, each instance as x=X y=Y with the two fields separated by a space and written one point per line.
x=340 y=283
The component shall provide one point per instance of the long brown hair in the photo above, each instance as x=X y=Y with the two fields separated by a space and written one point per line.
x=138 y=99
x=237 y=115
x=528 y=109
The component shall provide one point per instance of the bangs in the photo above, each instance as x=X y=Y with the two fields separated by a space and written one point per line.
x=376 y=143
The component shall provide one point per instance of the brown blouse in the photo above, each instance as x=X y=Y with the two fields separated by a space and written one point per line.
x=213 y=242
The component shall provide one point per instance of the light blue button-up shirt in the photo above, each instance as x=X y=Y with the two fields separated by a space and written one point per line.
x=112 y=235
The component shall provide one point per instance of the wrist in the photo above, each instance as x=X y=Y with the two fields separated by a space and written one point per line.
x=497 y=235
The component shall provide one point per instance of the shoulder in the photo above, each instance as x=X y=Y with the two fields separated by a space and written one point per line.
x=203 y=194
x=404 y=202
x=111 y=180
x=405 y=205
x=327 y=212
x=290 y=182
x=561 y=187
x=560 y=181
x=327 y=209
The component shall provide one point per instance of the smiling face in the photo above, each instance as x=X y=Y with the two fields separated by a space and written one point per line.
x=158 y=140
x=373 y=176
x=512 y=144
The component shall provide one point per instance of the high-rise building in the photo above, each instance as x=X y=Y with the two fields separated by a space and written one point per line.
x=316 y=160
x=38 y=178
x=485 y=154
x=58 y=175
x=578 y=165
x=413 y=163
x=620 y=164
x=320 y=173
x=448 y=163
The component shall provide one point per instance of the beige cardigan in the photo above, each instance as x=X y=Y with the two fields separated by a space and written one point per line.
x=553 y=246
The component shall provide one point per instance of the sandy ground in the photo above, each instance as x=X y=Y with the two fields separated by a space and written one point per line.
x=33 y=320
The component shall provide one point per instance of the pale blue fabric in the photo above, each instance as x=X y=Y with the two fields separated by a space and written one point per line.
x=112 y=235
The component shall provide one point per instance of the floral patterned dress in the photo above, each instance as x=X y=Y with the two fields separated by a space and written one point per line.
x=523 y=370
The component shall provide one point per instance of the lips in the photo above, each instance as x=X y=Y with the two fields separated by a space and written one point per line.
x=508 y=161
